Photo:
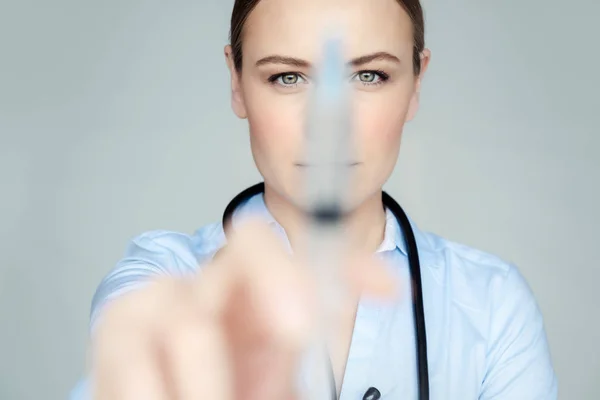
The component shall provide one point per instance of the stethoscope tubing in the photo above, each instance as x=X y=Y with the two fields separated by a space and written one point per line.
x=414 y=267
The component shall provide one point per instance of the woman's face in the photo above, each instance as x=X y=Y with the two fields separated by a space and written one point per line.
x=282 y=39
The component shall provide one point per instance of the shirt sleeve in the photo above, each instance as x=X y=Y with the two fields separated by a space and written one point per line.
x=146 y=258
x=519 y=364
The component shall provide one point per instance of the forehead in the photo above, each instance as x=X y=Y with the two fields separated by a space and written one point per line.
x=296 y=27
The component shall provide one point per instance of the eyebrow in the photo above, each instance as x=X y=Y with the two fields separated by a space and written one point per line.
x=299 y=63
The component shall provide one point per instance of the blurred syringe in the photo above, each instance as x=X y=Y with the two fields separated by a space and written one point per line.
x=328 y=160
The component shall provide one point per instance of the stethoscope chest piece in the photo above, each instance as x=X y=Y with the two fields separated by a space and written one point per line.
x=415 y=270
x=372 y=394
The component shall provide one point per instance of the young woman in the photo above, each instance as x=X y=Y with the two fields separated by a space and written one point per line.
x=237 y=329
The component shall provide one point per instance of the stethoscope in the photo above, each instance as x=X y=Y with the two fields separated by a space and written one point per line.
x=415 y=272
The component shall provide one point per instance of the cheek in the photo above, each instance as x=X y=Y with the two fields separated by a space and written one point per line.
x=379 y=119
x=275 y=123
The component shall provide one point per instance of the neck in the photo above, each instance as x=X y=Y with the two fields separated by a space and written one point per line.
x=364 y=226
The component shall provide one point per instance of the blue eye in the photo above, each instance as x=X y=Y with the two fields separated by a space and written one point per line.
x=293 y=79
x=287 y=79
x=369 y=78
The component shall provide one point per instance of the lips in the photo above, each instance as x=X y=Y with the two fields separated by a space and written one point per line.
x=306 y=165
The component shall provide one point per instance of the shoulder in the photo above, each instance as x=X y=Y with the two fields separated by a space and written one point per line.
x=475 y=278
x=489 y=295
x=463 y=260
x=173 y=251
x=154 y=254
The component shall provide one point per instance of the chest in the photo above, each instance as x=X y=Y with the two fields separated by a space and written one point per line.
x=377 y=349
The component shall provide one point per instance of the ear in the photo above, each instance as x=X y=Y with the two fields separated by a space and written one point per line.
x=414 y=101
x=237 y=97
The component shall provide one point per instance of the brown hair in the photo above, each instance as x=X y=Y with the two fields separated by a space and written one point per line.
x=243 y=8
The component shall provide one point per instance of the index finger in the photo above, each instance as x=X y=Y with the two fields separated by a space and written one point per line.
x=279 y=289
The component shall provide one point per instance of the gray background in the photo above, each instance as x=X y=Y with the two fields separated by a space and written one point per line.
x=115 y=119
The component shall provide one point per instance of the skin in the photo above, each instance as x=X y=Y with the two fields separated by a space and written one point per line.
x=237 y=331
x=275 y=110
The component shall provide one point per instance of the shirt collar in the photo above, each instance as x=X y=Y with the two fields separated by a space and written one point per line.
x=255 y=207
x=392 y=236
